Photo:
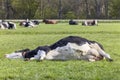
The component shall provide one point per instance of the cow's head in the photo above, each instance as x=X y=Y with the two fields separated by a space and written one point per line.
x=14 y=55
x=17 y=54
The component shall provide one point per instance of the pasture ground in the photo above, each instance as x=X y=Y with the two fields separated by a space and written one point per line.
x=108 y=34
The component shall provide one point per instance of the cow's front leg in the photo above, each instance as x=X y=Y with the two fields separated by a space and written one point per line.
x=41 y=54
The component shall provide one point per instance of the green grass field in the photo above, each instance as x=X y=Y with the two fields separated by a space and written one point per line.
x=108 y=34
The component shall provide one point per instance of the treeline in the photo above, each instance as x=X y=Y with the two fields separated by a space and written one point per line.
x=60 y=9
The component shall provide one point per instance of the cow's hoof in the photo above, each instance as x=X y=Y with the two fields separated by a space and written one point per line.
x=110 y=60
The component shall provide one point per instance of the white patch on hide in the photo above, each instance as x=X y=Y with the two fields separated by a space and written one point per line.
x=70 y=51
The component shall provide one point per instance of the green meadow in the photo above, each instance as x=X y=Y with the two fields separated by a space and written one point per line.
x=108 y=34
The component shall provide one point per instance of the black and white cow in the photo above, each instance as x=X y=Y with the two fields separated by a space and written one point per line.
x=7 y=25
x=68 y=48
x=29 y=23
x=36 y=22
x=90 y=22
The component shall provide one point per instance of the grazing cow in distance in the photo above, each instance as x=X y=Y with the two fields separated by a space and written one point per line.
x=68 y=48
x=71 y=22
x=46 y=21
x=90 y=23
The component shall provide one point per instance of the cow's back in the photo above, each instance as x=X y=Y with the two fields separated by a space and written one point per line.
x=72 y=39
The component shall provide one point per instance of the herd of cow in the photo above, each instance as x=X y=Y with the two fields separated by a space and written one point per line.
x=33 y=23
x=68 y=48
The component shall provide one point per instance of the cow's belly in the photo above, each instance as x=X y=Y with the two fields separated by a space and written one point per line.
x=70 y=51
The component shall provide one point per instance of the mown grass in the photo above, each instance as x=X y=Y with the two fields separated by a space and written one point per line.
x=108 y=34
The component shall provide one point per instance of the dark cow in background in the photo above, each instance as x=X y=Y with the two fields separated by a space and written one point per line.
x=68 y=48
x=36 y=22
x=46 y=21
x=7 y=25
x=29 y=23
x=71 y=22
x=90 y=22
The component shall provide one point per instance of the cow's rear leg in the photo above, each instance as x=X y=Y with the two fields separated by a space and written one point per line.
x=107 y=56
x=101 y=52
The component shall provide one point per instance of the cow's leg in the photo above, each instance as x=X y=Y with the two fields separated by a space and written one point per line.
x=40 y=55
x=107 y=56
x=96 y=56
x=100 y=51
x=91 y=58
x=88 y=57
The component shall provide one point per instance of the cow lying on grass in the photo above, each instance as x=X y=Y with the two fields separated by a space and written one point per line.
x=47 y=21
x=68 y=48
x=29 y=23
x=90 y=23
x=7 y=25
x=71 y=22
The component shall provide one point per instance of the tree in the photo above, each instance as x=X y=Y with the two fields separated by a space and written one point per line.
x=59 y=9
x=106 y=8
x=8 y=9
x=24 y=8
x=115 y=9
